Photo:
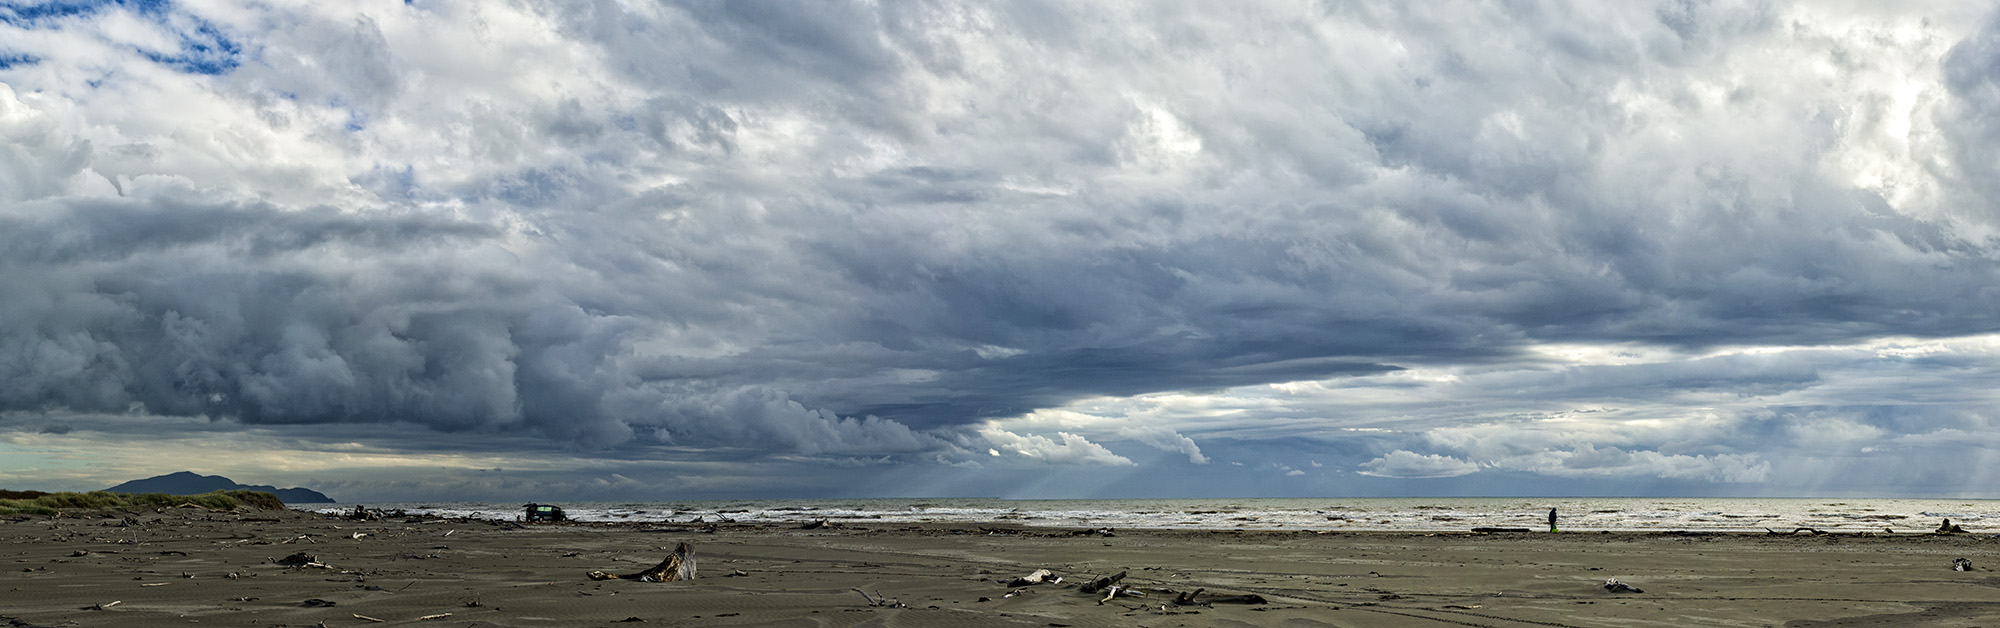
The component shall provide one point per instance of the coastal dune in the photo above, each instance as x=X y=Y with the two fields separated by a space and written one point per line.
x=190 y=566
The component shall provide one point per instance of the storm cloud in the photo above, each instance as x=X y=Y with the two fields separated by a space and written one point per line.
x=1342 y=245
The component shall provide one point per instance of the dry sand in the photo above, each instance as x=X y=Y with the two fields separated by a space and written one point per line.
x=188 y=567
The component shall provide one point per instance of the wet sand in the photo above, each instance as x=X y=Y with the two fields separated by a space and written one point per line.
x=192 y=567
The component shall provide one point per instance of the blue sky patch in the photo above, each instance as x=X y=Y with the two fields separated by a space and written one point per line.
x=41 y=14
x=203 y=48
x=204 y=51
x=11 y=59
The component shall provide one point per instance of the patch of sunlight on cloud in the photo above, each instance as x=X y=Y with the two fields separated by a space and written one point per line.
x=995 y=352
x=1397 y=379
x=1925 y=347
x=1109 y=414
x=1573 y=355
x=1065 y=449
x=1058 y=418
x=1887 y=347
x=1950 y=437
x=1622 y=354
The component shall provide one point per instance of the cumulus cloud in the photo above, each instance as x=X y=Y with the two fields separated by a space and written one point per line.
x=1408 y=464
x=1165 y=439
x=1591 y=461
x=1065 y=448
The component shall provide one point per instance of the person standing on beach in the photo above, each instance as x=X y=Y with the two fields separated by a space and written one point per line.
x=1552 y=518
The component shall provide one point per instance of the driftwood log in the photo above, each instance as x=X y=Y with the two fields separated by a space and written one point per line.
x=1103 y=583
x=1111 y=587
x=878 y=601
x=678 y=566
x=1813 y=531
x=1189 y=599
x=1118 y=590
x=302 y=559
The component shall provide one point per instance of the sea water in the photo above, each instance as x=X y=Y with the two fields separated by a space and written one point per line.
x=1381 y=514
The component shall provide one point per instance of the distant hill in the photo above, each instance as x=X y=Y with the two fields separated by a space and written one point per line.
x=190 y=483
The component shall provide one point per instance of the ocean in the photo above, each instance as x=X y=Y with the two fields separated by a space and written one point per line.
x=1376 y=514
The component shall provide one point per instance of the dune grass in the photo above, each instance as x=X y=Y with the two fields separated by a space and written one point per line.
x=56 y=503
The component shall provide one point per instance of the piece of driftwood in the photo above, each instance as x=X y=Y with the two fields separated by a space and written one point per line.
x=1497 y=530
x=1190 y=599
x=1118 y=590
x=678 y=566
x=1038 y=577
x=302 y=559
x=1813 y=531
x=1101 y=583
x=880 y=602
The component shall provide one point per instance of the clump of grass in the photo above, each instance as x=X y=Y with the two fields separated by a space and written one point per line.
x=10 y=507
x=55 y=503
x=259 y=500
x=94 y=500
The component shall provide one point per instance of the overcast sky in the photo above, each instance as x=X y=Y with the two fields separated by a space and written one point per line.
x=640 y=250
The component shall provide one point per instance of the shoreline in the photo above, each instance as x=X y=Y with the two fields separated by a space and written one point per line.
x=1400 y=514
x=1065 y=530
x=194 y=567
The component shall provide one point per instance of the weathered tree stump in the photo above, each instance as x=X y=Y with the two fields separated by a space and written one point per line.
x=678 y=566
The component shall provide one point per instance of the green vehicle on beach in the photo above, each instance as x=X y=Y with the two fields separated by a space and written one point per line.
x=544 y=512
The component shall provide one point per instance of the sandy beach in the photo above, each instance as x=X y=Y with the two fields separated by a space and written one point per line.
x=194 y=567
